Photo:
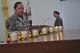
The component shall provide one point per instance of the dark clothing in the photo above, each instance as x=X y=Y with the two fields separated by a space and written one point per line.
x=16 y=23
x=58 y=22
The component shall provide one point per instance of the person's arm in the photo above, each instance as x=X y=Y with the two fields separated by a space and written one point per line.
x=10 y=25
x=28 y=27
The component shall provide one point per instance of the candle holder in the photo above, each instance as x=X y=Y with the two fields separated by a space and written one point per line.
x=44 y=31
x=56 y=29
x=51 y=30
x=24 y=35
x=60 y=28
x=35 y=32
x=13 y=37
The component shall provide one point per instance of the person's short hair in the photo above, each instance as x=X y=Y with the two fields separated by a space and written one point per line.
x=57 y=12
x=15 y=5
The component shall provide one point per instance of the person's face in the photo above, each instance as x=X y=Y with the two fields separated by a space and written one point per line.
x=19 y=9
x=55 y=15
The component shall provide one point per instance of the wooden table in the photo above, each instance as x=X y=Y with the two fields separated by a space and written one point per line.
x=66 y=46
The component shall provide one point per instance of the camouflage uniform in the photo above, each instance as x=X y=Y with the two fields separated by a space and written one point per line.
x=16 y=23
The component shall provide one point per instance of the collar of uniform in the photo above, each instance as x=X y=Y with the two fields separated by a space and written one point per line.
x=16 y=16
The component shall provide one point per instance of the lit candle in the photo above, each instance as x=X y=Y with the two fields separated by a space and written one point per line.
x=50 y=29
x=44 y=31
x=60 y=28
x=35 y=32
x=13 y=36
x=24 y=34
x=56 y=29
